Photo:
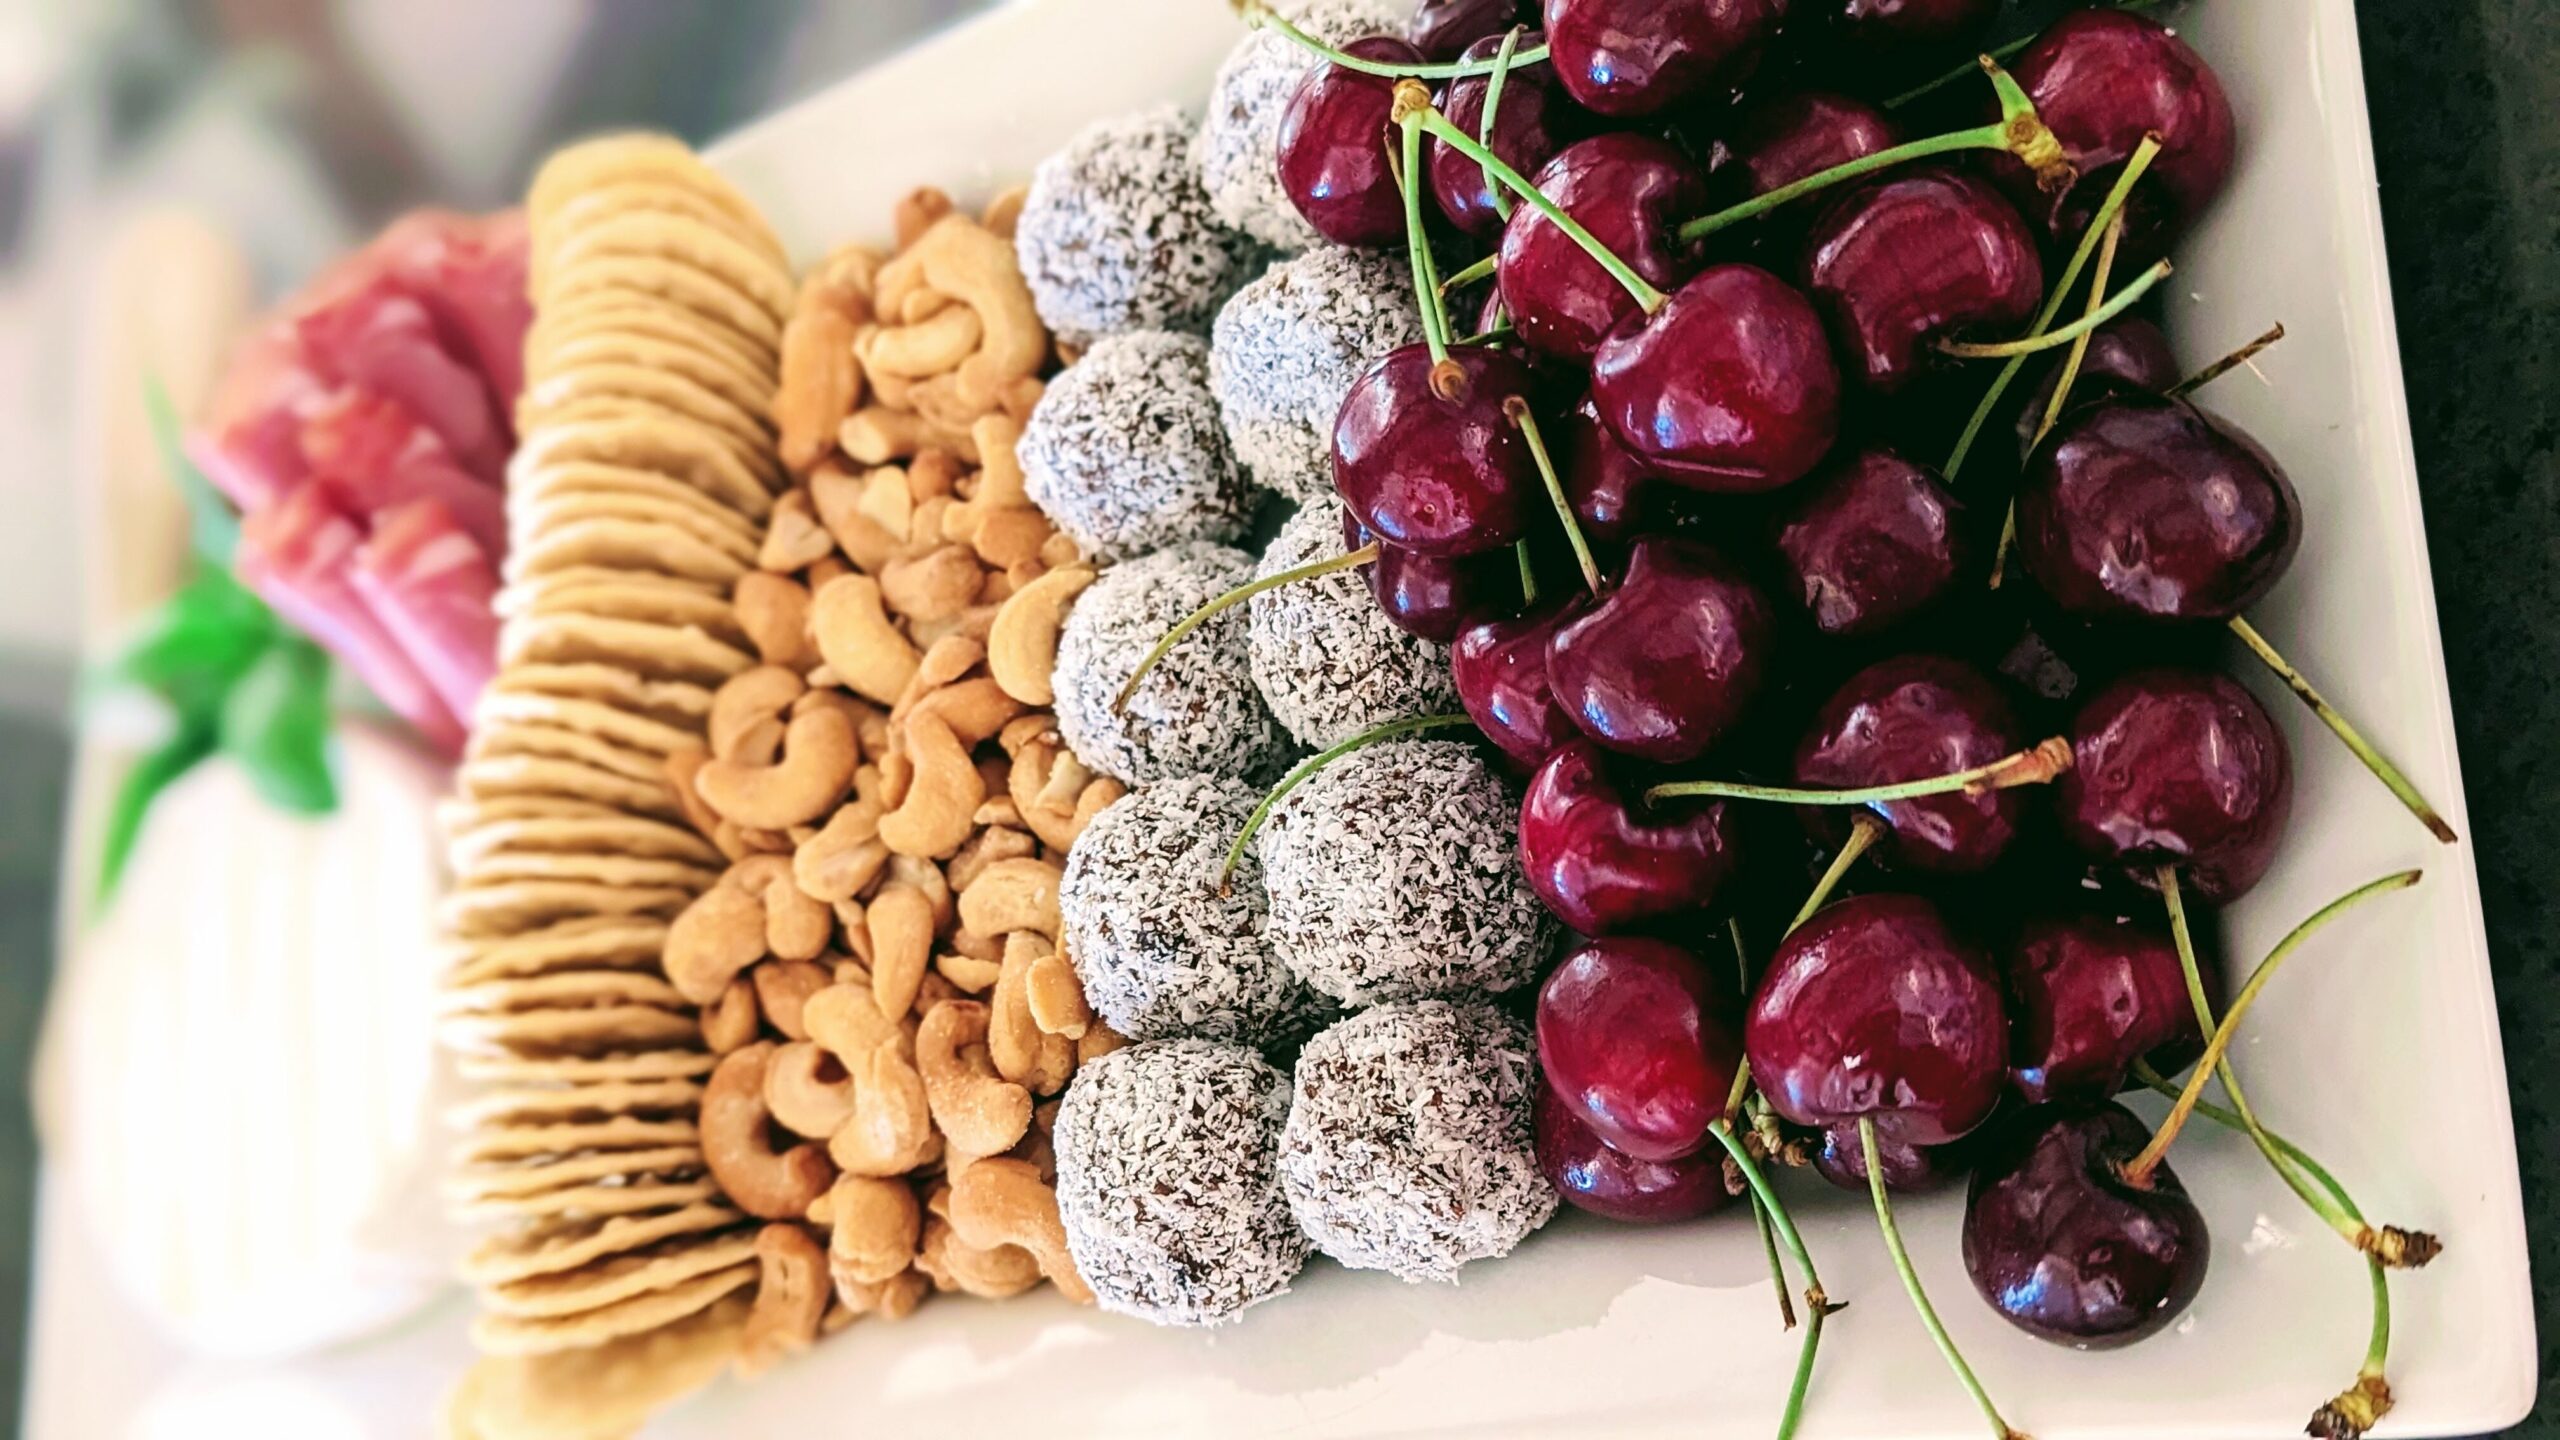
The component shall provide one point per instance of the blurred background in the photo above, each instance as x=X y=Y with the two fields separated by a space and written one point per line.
x=297 y=127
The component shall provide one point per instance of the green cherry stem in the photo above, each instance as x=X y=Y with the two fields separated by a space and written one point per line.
x=1202 y=616
x=1919 y=1295
x=1489 y=336
x=1818 y=1306
x=1393 y=729
x=2226 y=364
x=1426 y=291
x=1864 y=831
x=2383 y=770
x=2019 y=131
x=1257 y=13
x=2134 y=166
x=2137 y=1171
x=2036 y=765
x=1518 y=411
x=1759 y=1212
x=1528 y=574
x=2069 y=375
x=2121 y=301
x=1467 y=275
x=1502 y=60
x=1411 y=98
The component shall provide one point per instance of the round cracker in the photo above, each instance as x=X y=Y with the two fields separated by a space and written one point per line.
x=705 y=294
x=619 y=1132
x=615 y=320
x=620 y=1277
x=757 y=454
x=649 y=442
x=594 y=717
x=553 y=1104
x=570 y=865
x=562 y=482
x=642 y=546
x=535 y=1335
x=675 y=702
x=535 y=516
x=484 y=1182
x=633 y=158
x=663 y=235
x=493 y=775
x=564 y=387
x=585 y=1031
x=579 y=591
x=597 y=1391
x=527 y=737
x=564 y=990
x=647 y=338
x=569 y=1244
x=628 y=1198
x=586 y=1069
x=662 y=651
x=514 y=907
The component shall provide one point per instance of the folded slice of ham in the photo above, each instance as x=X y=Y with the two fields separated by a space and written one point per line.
x=372 y=454
x=470 y=272
x=434 y=591
x=381 y=338
x=300 y=557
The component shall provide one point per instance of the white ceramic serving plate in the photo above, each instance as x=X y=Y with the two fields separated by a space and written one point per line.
x=2379 y=1050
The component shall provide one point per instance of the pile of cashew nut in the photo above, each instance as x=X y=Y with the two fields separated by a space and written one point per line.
x=879 y=967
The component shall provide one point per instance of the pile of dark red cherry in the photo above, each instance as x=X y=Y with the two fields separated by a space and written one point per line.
x=1683 y=504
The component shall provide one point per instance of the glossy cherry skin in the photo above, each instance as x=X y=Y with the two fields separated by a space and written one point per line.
x=2089 y=995
x=1876 y=1007
x=1901 y=263
x=2177 y=766
x=1534 y=121
x=1671 y=659
x=2064 y=1248
x=1431 y=473
x=1841 y=1158
x=1633 y=1039
x=1637 y=57
x=2101 y=78
x=1592 y=1176
x=1603 y=860
x=1443 y=29
x=1871 y=541
x=1610 y=490
x=1499 y=666
x=1426 y=595
x=1631 y=192
x=2127 y=354
x=1333 y=147
x=2142 y=508
x=1908 y=718
x=1780 y=141
x=1879 y=25
x=1729 y=388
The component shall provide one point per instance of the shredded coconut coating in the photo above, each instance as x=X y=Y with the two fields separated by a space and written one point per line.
x=1116 y=233
x=1125 y=452
x=1286 y=349
x=1409 y=1146
x=1168 y=1182
x=1161 y=947
x=1328 y=660
x=1394 y=874
x=1197 y=712
x=1239 y=146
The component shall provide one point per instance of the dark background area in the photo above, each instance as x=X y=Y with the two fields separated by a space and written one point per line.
x=2466 y=114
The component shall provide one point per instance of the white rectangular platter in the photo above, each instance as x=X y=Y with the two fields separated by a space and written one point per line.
x=2379 y=1052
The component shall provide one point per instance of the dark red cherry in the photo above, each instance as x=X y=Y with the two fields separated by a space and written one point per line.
x=1591 y=1176
x=1499 y=666
x=1841 y=1158
x=2062 y=1246
x=1607 y=486
x=1442 y=29
x=1634 y=1041
x=1729 y=388
x=2127 y=354
x=1428 y=595
x=1437 y=470
x=1534 y=121
x=1908 y=718
x=1606 y=861
x=1333 y=147
x=2144 y=508
x=2101 y=78
x=1779 y=141
x=1887 y=25
x=2089 y=995
x=1871 y=541
x=1875 y=1007
x=2172 y=766
x=1636 y=57
x=1901 y=263
x=1631 y=192
x=1669 y=661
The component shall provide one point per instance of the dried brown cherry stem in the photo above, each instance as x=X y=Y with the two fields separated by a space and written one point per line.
x=2137 y=1171
x=2226 y=364
x=2383 y=770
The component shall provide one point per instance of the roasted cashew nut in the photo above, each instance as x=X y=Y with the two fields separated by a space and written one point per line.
x=868 y=653
x=721 y=933
x=808 y=1090
x=891 y=1131
x=900 y=921
x=932 y=820
x=974 y=266
x=1012 y=895
x=1023 y=1052
x=992 y=1273
x=767 y=1184
x=877 y=1223
x=844 y=856
x=792 y=1291
x=783 y=988
x=819 y=756
x=747 y=698
x=1004 y=1202
x=796 y=926
x=1056 y=996
x=980 y=1112
x=1022 y=646
x=934 y=345
x=843 y=1020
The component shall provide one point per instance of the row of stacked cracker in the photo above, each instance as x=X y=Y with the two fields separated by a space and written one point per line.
x=617 y=1273
x=881 y=807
